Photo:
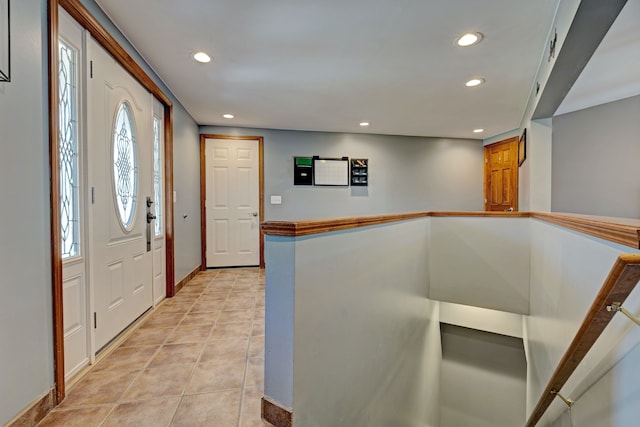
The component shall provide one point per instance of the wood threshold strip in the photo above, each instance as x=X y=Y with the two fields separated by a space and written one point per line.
x=621 y=281
x=617 y=230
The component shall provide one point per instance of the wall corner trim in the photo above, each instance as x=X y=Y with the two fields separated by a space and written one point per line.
x=187 y=278
x=36 y=411
x=276 y=414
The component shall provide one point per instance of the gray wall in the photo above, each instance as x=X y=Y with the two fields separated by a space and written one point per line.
x=26 y=358
x=483 y=379
x=567 y=272
x=406 y=173
x=613 y=401
x=361 y=334
x=495 y=256
x=186 y=184
x=595 y=160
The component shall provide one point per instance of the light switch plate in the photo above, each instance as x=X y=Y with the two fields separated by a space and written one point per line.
x=276 y=200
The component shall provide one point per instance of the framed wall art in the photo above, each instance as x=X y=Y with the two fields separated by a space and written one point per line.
x=522 y=148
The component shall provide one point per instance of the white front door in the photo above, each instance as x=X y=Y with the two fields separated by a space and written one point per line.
x=232 y=202
x=120 y=153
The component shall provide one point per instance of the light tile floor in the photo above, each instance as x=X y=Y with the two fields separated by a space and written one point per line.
x=198 y=360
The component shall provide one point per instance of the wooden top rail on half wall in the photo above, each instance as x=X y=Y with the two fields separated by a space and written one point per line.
x=618 y=230
x=621 y=281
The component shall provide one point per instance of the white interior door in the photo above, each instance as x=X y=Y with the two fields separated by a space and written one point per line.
x=120 y=132
x=232 y=202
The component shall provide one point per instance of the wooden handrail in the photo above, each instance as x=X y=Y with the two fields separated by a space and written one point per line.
x=622 y=279
x=303 y=228
x=618 y=230
x=620 y=282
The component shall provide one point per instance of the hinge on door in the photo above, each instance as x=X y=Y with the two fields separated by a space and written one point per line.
x=91 y=69
x=95 y=320
x=93 y=195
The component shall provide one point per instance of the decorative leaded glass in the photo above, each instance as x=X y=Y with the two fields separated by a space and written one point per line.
x=125 y=168
x=157 y=174
x=68 y=145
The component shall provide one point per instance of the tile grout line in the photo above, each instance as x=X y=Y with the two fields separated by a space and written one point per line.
x=246 y=366
x=124 y=392
x=241 y=289
x=207 y=342
x=181 y=397
x=144 y=367
x=195 y=366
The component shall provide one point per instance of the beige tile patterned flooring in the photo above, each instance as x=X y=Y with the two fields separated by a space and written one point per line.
x=197 y=360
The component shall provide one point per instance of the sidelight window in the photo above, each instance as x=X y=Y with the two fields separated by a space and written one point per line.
x=68 y=146
x=158 y=148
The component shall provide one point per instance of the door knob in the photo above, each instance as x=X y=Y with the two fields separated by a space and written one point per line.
x=509 y=210
x=253 y=213
x=150 y=217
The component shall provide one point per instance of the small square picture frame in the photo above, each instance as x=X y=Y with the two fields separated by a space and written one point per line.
x=522 y=148
x=5 y=41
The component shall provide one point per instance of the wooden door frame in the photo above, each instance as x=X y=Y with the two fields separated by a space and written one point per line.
x=77 y=10
x=203 y=190
x=485 y=185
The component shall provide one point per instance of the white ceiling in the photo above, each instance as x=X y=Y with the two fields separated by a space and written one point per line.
x=328 y=65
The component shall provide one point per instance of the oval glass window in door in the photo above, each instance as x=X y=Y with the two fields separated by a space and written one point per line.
x=125 y=166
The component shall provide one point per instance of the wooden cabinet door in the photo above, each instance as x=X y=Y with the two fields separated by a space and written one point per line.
x=501 y=176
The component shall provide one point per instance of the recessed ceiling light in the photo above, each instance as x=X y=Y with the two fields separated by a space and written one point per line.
x=364 y=124
x=202 y=57
x=478 y=130
x=228 y=116
x=469 y=39
x=474 y=82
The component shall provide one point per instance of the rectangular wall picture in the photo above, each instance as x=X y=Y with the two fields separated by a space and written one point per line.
x=522 y=148
x=331 y=171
